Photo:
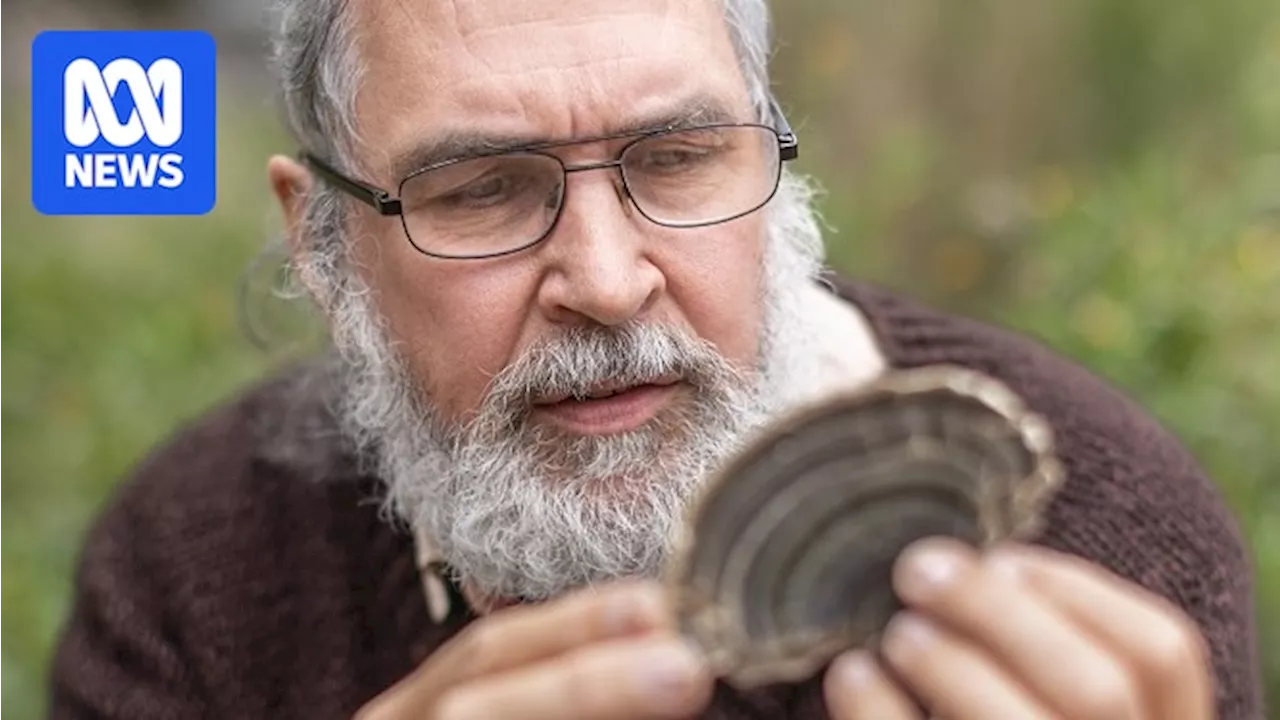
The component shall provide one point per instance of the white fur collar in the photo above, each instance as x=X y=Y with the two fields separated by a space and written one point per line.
x=848 y=354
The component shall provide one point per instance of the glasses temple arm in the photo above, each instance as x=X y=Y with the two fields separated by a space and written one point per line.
x=377 y=198
x=788 y=144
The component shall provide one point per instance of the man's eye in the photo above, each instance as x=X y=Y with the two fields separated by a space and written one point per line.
x=483 y=192
x=675 y=157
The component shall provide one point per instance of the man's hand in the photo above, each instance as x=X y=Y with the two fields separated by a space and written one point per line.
x=1023 y=632
x=608 y=653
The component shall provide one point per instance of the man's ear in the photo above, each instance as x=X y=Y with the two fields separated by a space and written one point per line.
x=290 y=182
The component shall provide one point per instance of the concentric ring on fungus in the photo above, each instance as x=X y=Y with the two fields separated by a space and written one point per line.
x=786 y=555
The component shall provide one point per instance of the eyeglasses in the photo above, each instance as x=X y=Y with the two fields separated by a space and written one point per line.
x=484 y=206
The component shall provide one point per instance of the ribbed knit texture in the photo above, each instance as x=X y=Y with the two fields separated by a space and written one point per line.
x=225 y=580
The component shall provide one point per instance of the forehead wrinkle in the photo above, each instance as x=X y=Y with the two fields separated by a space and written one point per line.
x=558 y=23
x=467 y=31
x=429 y=43
x=560 y=47
x=475 y=16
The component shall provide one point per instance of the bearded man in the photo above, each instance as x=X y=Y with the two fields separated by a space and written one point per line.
x=567 y=272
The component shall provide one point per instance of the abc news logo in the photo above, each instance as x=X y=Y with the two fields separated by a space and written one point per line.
x=157 y=99
x=123 y=123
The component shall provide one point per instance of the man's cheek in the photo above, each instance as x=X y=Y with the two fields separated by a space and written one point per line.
x=462 y=368
x=730 y=319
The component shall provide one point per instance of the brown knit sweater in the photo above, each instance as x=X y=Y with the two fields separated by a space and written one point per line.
x=245 y=571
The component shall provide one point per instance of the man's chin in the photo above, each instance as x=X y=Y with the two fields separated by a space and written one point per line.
x=618 y=488
x=617 y=464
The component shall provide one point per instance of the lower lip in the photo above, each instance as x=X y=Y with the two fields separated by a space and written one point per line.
x=605 y=416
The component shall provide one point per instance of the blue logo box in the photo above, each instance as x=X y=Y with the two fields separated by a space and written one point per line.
x=123 y=122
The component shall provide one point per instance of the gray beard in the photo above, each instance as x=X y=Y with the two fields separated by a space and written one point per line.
x=523 y=511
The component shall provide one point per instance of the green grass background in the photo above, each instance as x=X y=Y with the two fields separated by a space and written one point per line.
x=1104 y=175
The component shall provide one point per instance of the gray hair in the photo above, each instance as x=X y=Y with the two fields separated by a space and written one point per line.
x=317 y=62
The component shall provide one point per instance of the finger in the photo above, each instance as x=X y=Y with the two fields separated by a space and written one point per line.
x=952 y=676
x=524 y=634
x=1044 y=649
x=857 y=688
x=1166 y=650
x=633 y=679
x=521 y=635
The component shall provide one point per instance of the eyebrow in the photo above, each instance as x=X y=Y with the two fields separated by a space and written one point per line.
x=694 y=111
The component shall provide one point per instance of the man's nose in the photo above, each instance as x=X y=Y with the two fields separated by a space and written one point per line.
x=599 y=270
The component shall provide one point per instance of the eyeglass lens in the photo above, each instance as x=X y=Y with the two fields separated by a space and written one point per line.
x=503 y=202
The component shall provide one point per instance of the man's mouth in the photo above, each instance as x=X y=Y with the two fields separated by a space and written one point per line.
x=607 y=389
x=608 y=408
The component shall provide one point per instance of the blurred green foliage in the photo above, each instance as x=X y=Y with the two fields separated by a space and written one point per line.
x=1103 y=175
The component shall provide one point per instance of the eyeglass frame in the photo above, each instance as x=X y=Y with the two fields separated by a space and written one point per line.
x=387 y=204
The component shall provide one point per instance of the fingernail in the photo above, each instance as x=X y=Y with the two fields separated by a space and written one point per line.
x=668 y=670
x=907 y=634
x=853 y=669
x=928 y=569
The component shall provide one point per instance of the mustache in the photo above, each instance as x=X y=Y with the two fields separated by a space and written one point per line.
x=578 y=360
